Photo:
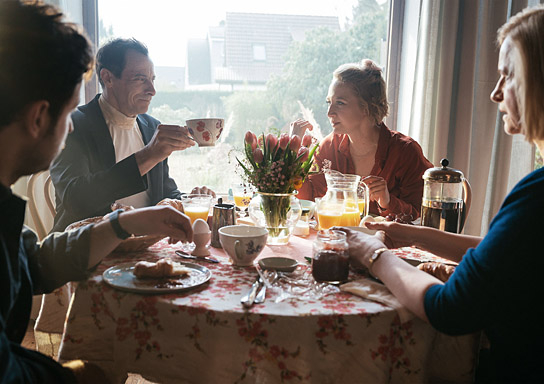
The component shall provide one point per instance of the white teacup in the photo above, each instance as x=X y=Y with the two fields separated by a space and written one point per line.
x=243 y=243
x=206 y=131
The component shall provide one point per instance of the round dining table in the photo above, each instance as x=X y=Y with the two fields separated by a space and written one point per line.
x=205 y=335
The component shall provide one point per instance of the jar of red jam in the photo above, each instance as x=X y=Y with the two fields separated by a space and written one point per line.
x=330 y=262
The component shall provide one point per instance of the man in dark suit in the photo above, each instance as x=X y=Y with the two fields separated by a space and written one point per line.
x=117 y=153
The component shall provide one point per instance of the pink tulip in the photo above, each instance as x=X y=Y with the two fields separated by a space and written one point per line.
x=258 y=155
x=294 y=144
x=251 y=139
x=303 y=153
x=284 y=140
x=306 y=141
x=271 y=141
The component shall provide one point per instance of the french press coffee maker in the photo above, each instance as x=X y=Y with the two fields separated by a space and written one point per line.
x=446 y=198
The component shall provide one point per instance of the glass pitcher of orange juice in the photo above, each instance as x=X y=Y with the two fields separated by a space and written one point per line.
x=340 y=205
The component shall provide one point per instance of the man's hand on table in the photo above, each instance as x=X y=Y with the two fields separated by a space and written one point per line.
x=158 y=220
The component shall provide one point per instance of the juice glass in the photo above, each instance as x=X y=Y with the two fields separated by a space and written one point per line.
x=242 y=197
x=196 y=206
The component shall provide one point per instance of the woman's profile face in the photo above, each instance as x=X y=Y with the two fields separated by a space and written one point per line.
x=345 y=112
x=505 y=92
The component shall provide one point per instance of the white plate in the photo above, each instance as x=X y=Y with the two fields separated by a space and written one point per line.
x=121 y=277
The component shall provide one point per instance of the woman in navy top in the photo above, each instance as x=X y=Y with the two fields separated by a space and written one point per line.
x=499 y=284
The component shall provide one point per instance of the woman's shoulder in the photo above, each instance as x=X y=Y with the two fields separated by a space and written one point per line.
x=396 y=144
x=399 y=139
x=533 y=183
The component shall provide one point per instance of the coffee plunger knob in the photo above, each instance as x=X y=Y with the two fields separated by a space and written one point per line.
x=444 y=162
x=220 y=200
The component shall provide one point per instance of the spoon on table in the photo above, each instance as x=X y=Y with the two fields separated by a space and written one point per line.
x=192 y=257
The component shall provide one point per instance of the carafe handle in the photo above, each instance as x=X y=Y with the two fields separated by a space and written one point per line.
x=467 y=199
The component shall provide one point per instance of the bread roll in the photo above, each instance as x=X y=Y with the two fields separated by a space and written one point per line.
x=440 y=271
x=173 y=203
x=162 y=268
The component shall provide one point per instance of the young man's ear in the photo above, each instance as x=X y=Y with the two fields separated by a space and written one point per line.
x=37 y=119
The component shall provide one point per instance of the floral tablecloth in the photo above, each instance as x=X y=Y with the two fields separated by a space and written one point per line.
x=206 y=336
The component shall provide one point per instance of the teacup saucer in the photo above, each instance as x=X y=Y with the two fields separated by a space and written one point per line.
x=281 y=264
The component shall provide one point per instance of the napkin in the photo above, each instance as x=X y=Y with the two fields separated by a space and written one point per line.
x=372 y=290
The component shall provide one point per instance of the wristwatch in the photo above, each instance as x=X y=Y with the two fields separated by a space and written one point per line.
x=114 y=221
x=375 y=256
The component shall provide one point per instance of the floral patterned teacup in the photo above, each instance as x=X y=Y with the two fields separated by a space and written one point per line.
x=206 y=131
x=242 y=243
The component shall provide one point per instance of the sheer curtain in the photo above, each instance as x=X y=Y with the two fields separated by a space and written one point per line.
x=446 y=71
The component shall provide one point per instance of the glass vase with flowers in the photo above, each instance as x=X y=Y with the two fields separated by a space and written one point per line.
x=276 y=166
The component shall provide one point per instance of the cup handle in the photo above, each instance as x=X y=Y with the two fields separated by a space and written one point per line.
x=238 y=250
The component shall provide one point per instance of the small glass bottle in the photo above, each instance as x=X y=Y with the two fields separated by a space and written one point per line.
x=330 y=262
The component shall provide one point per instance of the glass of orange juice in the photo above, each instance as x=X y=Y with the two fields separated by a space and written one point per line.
x=196 y=206
x=242 y=195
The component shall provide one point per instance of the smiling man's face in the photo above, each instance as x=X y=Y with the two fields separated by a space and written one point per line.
x=132 y=92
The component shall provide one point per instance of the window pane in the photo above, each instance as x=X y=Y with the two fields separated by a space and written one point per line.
x=258 y=65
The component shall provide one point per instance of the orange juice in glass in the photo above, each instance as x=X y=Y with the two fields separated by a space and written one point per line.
x=196 y=206
x=242 y=197
x=196 y=213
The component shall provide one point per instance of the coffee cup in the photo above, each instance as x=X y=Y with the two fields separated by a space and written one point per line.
x=205 y=131
x=242 y=243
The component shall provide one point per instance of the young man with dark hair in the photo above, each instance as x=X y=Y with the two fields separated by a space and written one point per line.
x=42 y=63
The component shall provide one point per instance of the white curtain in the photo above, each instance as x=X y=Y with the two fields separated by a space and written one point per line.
x=447 y=70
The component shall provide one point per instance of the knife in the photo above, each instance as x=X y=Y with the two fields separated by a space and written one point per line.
x=192 y=257
x=248 y=299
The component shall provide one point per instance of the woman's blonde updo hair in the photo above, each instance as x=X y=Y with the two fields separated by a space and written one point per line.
x=526 y=29
x=367 y=82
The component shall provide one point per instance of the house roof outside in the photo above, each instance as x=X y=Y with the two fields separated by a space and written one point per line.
x=256 y=44
x=248 y=47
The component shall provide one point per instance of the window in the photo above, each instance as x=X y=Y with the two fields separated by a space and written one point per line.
x=258 y=65
x=259 y=52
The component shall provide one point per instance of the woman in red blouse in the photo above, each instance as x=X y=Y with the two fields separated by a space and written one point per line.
x=390 y=163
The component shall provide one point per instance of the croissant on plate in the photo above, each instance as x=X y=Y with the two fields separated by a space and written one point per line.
x=439 y=270
x=162 y=268
x=173 y=203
